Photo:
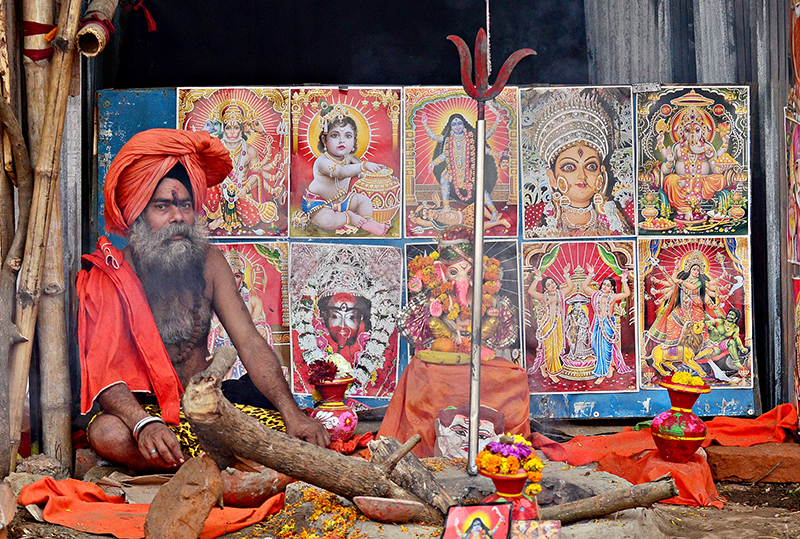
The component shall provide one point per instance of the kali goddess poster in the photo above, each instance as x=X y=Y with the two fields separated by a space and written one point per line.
x=440 y=160
x=695 y=310
x=344 y=299
x=577 y=162
x=261 y=271
x=346 y=163
x=693 y=161
x=253 y=125
x=580 y=323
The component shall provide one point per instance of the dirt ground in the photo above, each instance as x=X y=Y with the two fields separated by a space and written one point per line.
x=762 y=511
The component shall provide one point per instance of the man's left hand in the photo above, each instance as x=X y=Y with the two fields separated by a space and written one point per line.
x=308 y=429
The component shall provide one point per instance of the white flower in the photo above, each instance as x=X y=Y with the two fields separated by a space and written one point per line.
x=374 y=348
x=307 y=341
x=342 y=365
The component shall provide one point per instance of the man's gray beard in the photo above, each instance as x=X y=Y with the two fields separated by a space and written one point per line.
x=172 y=274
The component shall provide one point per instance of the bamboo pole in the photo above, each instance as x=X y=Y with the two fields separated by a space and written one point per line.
x=36 y=72
x=10 y=72
x=55 y=394
x=93 y=36
x=45 y=184
x=12 y=260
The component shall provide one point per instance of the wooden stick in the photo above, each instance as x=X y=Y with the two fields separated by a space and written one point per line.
x=37 y=73
x=93 y=36
x=46 y=181
x=55 y=394
x=12 y=260
x=388 y=465
x=225 y=431
x=11 y=74
x=597 y=506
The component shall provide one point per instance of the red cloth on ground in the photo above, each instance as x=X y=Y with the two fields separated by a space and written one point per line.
x=117 y=335
x=692 y=478
x=85 y=507
x=426 y=388
x=777 y=425
x=351 y=445
x=144 y=160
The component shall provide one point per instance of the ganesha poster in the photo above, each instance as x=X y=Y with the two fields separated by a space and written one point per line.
x=580 y=322
x=253 y=125
x=261 y=272
x=577 y=162
x=695 y=310
x=343 y=299
x=346 y=163
x=440 y=161
x=693 y=161
x=438 y=313
x=793 y=198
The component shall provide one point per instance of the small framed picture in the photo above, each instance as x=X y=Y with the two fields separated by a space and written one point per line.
x=491 y=520
x=536 y=529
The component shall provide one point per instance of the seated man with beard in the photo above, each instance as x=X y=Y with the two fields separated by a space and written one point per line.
x=145 y=311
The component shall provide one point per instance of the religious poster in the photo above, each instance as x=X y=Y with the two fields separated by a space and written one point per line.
x=793 y=200
x=693 y=161
x=695 y=310
x=577 y=162
x=580 y=323
x=794 y=51
x=440 y=160
x=491 y=520
x=346 y=163
x=253 y=124
x=344 y=299
x=261 y=271
x=438 y=313
x=796 y=295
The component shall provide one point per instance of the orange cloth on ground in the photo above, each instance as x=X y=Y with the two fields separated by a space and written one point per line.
x=692 y=478
x=614 y=452
x=117 y=335
x=426 y=388
x=85 y=507
x=144 y=160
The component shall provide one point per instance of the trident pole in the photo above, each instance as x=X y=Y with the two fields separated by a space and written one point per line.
x=481 y=92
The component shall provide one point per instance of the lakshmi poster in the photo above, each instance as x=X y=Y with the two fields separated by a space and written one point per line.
x=793 y=200
x=262 y=277
x=344 y=299
x=253 y=124
x=440 y=146
x=695 y=310
x=346 y=163
x=580 y=323
x=438 y=313
x=693 y=161
x=577 y=162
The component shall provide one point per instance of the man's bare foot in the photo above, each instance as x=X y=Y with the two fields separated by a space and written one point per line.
x=600 y=380
x=379 y=229
x=554 y=378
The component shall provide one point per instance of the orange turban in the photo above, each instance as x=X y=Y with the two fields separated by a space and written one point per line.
x=146 y=158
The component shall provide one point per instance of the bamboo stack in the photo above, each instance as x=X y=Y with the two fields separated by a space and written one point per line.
x=45 y=185
x=36 y=71
x=94 y=33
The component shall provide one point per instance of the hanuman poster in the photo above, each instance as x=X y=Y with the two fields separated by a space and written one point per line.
x=253 y=124
x=261 y=272
x=580 y=326
x=694 y=161
x=577 y=162
x=695 y=310
x=346 y=163
x=440 y=161
x=344 y=300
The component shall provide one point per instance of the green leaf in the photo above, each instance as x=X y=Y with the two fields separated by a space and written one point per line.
x=548 y=259
x=609 y=259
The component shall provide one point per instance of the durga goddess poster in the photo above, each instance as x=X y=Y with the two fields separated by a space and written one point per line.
x=343 y=299
x=695 y=310
x=440 y=161
x=346 y=163
x=261 y=272
x=253 y=124
x=580 y=323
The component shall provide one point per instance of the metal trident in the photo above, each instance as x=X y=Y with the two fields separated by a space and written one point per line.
x=480 y=92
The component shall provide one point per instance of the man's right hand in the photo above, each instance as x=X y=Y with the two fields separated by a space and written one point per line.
x=159 y=444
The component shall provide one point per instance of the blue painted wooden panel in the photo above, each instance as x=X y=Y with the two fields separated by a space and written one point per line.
x=123 y=113
x=120 y=115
